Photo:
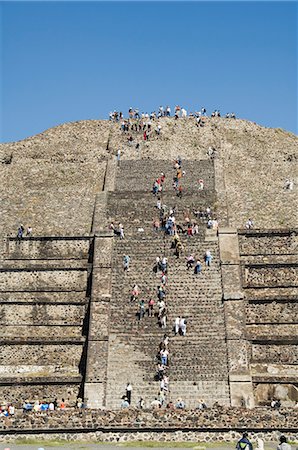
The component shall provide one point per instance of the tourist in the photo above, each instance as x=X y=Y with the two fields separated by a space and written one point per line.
x=151 y=304
x=275 y=404
x=128 y=392
x=182 y=326
x=244 y=443
x=180 y=404
x=156 y=225
x=164 y=264
x=177 y=325
x=156 y=404
x=141 y=309
x=249 y=224
x=62 y=405
x=126 y=261
x=190 y=262
x=124 y=403
x=180 y=191
x=158 y=129
x=208 y=258
x=161 y=397
x=29 y=231
x=135 y=293
x=157 y=265
x=163 y=279
x=51 y=406
x=160 y=370
x=141 y=403
x=161 y=308
x=20 y=232
x=201 y=185
x=195 y=228
x=163 y=319
x=201 y=405
x=283 y=444
x=118 y=156
x=164 y=357
x=36 y=406
x=166 y=340
x=289 y=185
x=27 y=406
x=121 y=230
x=170 y=405
x=11 y=409
x=198 y=267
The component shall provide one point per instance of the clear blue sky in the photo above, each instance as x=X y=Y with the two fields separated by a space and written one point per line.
x=67 y=61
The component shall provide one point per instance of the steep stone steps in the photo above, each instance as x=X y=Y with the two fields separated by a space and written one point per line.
x=135 y=177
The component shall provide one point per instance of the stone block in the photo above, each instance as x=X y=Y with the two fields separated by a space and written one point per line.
x=101 y=283
x=234 y=319
x=242 y=393
x=94 y=395
x=228 y=246
x=99 y=320
x=238 y=359
x=99 y=216
x=231 y=282
x=102 y=255
x=48 y=248
x=97 y=359
x=44 y=280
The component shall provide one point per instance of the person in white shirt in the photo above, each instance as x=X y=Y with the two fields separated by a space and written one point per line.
x=182 y=325
x=177 y=324
x=283 y=444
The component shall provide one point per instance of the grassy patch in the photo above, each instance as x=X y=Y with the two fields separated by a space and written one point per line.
x=56 y=443
x=32 y=441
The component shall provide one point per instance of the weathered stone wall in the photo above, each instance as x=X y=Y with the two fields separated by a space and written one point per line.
x=162 y=435
x=272 y=276
x=68 y=390
x=47 y=354
x=274 y=243
x=270 y=281
x=43 y=308
x=45 y=280
x=48 y=248
x=34 y=314
x=154 y=422
x=285 y=354
x=39 y=297
x=275 y=312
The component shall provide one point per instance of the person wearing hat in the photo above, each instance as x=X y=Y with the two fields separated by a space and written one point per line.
x=244 y=443
x=283 y=444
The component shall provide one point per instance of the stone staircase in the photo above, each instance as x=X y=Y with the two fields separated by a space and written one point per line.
x=198 y=361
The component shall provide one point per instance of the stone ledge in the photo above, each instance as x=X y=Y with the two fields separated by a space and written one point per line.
x=233 y=296
x=216 y=418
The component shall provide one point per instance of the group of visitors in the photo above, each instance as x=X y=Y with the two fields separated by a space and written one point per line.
x=117 y=230
x=165 y=111
x=47 y=405
x=180 y=326
x=21 y=231
x=7 y=410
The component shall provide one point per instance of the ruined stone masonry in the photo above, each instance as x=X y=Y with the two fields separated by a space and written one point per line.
x=68 y=328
